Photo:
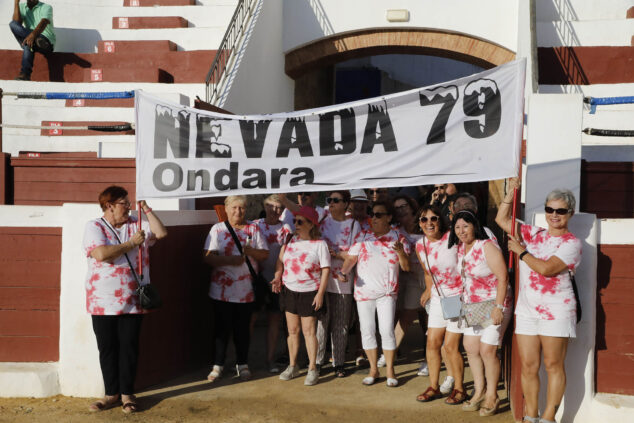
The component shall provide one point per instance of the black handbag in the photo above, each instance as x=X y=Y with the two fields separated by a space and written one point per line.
x=258 y=283
x=149 y=297
x=576 y=291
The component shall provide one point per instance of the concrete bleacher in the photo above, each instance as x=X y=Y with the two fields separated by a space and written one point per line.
x=169 y=57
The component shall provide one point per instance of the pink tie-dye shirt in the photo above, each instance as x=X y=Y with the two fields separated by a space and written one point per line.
x=110 y=287
x=275 y=236
x=339 y=237
x=480 y=283
x=303 y=261
x=444 y=265
x=233 y=284
x=377 y=264
x=548 y=297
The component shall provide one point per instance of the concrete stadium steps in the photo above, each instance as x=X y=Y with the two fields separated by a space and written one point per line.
x=13 y=144
x=113 y=102
x=586 y=33
x=149 y=22
x=59 y=128
x=586 y=65
x=22 y=114
x=162 y=66
x=114 y=46
x=151 y=3
x=582 y=10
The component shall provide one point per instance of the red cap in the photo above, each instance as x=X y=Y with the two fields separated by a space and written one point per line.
x=309 y=213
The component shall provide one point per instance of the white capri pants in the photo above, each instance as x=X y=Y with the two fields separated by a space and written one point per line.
x=385 y=308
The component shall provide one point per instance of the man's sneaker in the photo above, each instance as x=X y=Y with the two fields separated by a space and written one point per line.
x=23 y=77
x=311 y=377
x=447 y=385
x=423 y=370
x=290 y=373
x=381 y=362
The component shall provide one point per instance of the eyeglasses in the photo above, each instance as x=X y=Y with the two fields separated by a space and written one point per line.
x=273 y=206
x=125 y=203
x=334 y=200
x=561 y=211
x=298 y=222
x=378 y=215
x=431 y=219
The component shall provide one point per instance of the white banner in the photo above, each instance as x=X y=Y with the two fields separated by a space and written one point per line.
x=464 y=130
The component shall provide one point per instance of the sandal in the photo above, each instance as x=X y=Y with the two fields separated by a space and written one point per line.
x=104 y=403
x=129 y=407
x=340 y=371
x=456 y=397
x=215 y=373
x=430 y=394
x=486 y=411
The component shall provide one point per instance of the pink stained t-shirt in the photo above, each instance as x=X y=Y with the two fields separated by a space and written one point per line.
x=480 y=283
x=110 y=287
x=233 y=284
x=444 y=265
x=548 y=297
x=377 y=264
x=303 y=261
x=339 y=236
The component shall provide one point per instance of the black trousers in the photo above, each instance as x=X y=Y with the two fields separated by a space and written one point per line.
x=118 y=343
x=232 y=318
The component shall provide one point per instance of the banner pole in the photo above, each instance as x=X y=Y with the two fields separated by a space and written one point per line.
x=140 y=255
x=513 y=214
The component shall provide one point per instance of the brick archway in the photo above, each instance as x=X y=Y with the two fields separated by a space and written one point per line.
x=347 y=46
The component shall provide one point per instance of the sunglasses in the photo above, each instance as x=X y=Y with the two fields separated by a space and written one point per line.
x=378 y=215
x=124 y=203
x=334 y=200
x=298 y=222
x=561 y=211
x=424 y=219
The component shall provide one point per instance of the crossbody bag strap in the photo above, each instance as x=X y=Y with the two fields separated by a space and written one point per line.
x=136 y=278
x=239 y=247
x=433 y=277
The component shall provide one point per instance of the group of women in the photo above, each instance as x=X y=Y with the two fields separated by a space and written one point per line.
x=403 y=259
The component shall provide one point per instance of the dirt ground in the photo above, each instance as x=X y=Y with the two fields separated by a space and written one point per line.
x=265 y=398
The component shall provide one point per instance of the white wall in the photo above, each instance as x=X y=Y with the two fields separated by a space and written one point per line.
x=553 y=147
x=310 y=20
x=258 y=83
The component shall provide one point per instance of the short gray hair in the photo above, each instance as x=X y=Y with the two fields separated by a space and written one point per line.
x=233 y=198
x=466 y=196
x=273 y=198
x=563 y=194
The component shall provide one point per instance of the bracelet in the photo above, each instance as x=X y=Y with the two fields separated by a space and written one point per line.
x=500 y=306
x=507 y=202
x=521 y=256
x=149 y=210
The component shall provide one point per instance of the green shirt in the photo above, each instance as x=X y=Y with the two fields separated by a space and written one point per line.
x=32 y=17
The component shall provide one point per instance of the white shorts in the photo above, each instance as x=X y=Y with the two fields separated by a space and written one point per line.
x=436 y=319
x=492 y=334
x=561 y=328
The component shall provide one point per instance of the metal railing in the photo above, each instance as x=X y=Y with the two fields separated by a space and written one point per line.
x=227 y=48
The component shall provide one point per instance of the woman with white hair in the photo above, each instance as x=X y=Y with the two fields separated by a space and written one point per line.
x=231 y=286
x=546 y=306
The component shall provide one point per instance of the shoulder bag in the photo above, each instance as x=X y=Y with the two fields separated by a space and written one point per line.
x=149 y=297
x=258 y=283
x=576 y=291
x=476 y=314
x=452 y=305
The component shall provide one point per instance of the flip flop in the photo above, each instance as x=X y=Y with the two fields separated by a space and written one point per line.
x=103 y=404
x=129 y=407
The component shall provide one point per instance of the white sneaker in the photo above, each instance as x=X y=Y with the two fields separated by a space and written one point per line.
x=290 y=373
x=447 y=385
x=381 y=362
x=423 y=370
x=311 y=377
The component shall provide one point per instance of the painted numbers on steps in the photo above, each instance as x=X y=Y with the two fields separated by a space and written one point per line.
x=108 y=46
x=96 y=75
x=78 y=102
x=55 y=128
x=123 y=23
x=134 y=3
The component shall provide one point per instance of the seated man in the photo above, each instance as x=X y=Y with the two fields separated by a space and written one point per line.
x=32 y=26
